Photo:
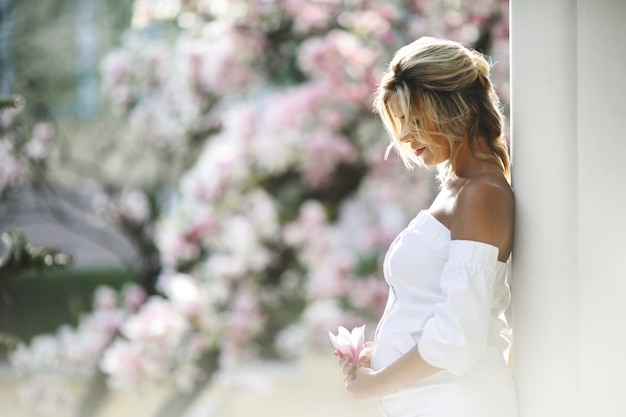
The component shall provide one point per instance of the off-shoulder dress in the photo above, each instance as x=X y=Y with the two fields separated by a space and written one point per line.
x=448 y=297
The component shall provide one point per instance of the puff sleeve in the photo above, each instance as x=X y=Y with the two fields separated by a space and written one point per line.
x=456 y=334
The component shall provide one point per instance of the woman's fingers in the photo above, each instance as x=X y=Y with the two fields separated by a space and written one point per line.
x=364 y=356
x=348 y=368
x=364 y=363
x=346 y=365
x=349 y=377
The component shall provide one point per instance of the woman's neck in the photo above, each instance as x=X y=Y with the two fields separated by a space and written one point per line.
x=467 y=164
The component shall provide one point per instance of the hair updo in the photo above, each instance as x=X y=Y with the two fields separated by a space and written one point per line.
x=443 y=84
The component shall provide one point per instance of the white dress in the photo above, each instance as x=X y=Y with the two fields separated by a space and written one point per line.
x=448 y=298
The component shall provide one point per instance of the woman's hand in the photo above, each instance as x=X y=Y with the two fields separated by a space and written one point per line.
x=349 y=369
x=358 y=378
x=363 y=384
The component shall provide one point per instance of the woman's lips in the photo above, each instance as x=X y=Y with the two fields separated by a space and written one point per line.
x=419 y=151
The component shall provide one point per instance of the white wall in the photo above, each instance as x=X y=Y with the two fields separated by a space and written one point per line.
x=568 y=64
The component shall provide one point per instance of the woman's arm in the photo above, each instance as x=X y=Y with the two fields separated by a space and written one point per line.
x=410 y=367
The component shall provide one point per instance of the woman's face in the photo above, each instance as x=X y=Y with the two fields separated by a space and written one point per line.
x=423 y=138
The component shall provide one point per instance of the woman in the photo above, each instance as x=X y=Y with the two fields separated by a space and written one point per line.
x=439 y=347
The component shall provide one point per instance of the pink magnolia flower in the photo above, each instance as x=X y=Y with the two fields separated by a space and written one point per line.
x=105 y=298
x=349 y=343
x=134 y=296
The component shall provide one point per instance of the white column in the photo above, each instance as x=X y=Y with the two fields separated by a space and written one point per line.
x=569 y=153
x=602 y=204
x=545 y=274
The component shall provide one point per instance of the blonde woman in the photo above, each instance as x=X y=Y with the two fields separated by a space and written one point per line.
x=439 y=347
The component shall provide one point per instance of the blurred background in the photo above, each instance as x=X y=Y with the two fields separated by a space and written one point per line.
x=194 y=192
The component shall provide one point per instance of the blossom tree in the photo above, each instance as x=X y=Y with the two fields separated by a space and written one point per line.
x=274 y=231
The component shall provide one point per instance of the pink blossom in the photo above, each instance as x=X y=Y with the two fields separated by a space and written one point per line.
x=133 y=295
x=308 y=226
x=371 y=294
x=116 y=68
x=240 y=238
x=126 y=364
x=262 y=212
x=157 y=324
x=46 y=394
x=172 y=243
x=318 y=58
x=38 y=148
x=13 y=168
x=133 y=205
x=95 y=331
x=221 y=166
x=374 y=21
x=245 y=321
x=70 y=351
x=197 y=344
x=331 y=277
x=349 y=343
x=183 y=291
x=336 y=57
x=246 y=318
x=309 y=15
x=320 y=315
x=105 y=298
x=324 y=151
x=225 y=266
x=42 y=353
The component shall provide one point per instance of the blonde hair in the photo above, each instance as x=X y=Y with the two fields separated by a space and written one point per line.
x=441 y=87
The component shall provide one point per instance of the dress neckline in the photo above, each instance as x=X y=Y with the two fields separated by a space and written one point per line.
x=445 y=229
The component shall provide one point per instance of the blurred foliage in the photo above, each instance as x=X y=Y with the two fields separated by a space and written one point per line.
x=56 y=296
x=21 y=256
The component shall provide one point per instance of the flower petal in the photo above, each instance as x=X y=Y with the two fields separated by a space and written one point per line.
x=357 y=337
x=333 y=340
x=349 y=343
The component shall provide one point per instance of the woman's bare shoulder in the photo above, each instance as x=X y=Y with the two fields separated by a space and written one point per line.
x=485 y=189
x=484 y=211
